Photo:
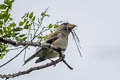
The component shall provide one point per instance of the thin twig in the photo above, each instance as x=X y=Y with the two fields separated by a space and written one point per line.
x=76 y=42
x=13 y=57
x=24 y=55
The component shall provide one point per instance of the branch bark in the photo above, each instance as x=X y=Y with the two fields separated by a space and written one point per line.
x=28 y=43
x=18 y=43
x=7 y=76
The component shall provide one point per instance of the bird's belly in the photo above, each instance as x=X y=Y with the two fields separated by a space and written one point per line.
x=62 y=43
x=48 y=53
x=52 y=54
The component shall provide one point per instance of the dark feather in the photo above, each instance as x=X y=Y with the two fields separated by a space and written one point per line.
x=30 y=58
x=39 y=60
x=52 y=38
x=49 y=40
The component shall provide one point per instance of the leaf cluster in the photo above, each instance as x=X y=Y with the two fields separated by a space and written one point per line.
x=6 y=24
x=30 y=27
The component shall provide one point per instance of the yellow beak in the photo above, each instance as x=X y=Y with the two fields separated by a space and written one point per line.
x=71 y=26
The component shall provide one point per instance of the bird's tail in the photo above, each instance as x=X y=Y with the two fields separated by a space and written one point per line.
x=29 y=59
x=39 y=60
x=33 y=56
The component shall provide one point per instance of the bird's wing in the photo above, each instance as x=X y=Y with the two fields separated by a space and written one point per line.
x=50 y=40
x=30 y=58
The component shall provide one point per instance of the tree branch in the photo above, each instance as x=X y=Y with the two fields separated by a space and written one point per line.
x=27 y=43
x=7 y=76
x=18 y=43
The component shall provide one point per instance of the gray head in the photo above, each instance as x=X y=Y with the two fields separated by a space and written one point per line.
x=67 y=27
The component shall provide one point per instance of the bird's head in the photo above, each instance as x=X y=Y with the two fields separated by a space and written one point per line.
x=67 y=27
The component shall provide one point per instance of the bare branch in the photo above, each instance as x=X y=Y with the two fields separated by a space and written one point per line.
x=7 y=76
x=28 y=43
x=18 y=43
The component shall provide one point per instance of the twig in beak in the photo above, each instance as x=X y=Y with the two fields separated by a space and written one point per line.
x=77 y=41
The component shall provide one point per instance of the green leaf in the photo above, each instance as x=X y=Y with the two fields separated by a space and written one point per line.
x=27 y=23
x=6 y=1
x=56 y=26
x=6 y=17
x=12 y=25
x=14 y=34
x=27 y=14
x=17 y=38
x=1 y=22
x=45 y=37
x=25 y=20
x=17 y=29
x=21 y=35
x=24 y=38
x=5 y=29
x=43 y=14
x=2 y=6
x=21 y=23
x=50 y=26
x=5 y=36
x=10 y=19
x=51 y=32
x=1 y=31
x=9 y=29
x=26 y=27
x=2 y=55
x=4 y=12
x=1 y=16
x=9 y=4
x=33 y=19
x=24 y=16
x=31 y=15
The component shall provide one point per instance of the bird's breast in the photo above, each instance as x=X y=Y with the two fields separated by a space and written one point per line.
x=62 y=43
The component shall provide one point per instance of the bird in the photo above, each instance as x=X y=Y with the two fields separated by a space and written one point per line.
x=59 y=39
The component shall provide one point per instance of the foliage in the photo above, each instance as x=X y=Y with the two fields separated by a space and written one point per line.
x=30 y=28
